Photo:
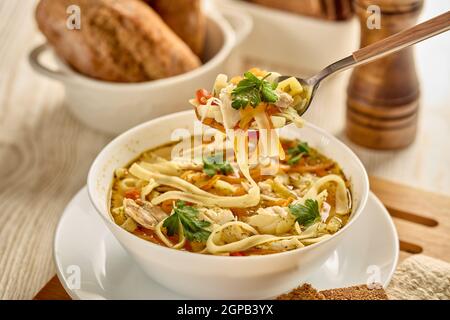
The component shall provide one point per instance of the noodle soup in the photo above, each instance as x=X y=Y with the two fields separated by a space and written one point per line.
x=210 y=206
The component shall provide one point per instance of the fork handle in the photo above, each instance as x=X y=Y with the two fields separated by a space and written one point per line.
x=403 y=39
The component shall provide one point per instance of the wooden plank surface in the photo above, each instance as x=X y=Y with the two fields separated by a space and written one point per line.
x=53 y=290
x=45 y=153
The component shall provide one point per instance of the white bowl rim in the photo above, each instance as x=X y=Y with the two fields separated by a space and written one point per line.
x=228 y=44
x=362 y=204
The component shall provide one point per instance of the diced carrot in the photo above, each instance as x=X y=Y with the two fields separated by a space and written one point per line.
x=272 y=109
x=321 y=172
x=185 y=174
x=258 y=72
x=212 y=123
x=132 y=194
x=167 y=206
x=208 y=121
x=247 y=114
x=231 y=179
x=210 y=183
x=237 y=254
x=236 y=80
x=281 y=202
x=240 y=212
x=256 y=174
x=240 y=191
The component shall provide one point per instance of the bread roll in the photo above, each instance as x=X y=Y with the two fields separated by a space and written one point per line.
x=325 y=9
x=123 y=41
x=186 y=19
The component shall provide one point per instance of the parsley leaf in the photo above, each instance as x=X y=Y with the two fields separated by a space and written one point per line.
x=172 y=224
x=215 y=164
x=297 y=152
x=305 y=214
x=186 y=216
x=251 y=91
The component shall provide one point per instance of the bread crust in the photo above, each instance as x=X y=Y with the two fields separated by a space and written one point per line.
x=122 y=41
x=186 y=19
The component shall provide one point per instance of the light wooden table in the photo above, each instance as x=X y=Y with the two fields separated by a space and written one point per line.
x=45 y=153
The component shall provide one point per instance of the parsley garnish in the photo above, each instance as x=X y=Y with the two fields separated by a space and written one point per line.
x=194 y=229
x=297 y=152
x=305 y=214
x=215 y=164
x=251 y=91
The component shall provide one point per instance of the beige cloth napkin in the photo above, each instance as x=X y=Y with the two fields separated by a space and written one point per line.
x=420 y=277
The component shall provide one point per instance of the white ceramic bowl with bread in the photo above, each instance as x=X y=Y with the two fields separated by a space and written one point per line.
x=115 y=107
x=221 y=277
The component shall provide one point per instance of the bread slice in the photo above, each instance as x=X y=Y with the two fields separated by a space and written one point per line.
x=124 y=41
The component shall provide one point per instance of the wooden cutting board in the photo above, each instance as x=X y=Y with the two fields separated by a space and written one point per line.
x=422 y=220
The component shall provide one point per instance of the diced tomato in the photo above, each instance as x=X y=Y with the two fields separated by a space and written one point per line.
x=174 y=238
x=237 y=254
x=133 y=194
x=202 y=95
x=187 y=246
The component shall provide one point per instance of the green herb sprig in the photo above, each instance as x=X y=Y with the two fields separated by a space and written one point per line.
x=251 y=91
x=215 y=164
x=305 y=214
x=187 y=217
x=297 y=152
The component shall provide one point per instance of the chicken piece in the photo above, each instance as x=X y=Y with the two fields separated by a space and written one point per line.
x=215 y=215
x=334 y=224
x=266 y=188
x=144 y=213
x=284 y=100
x=234 y=233
x=272 y=220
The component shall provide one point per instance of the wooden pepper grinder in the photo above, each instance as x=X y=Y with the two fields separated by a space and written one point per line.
x=383 y=96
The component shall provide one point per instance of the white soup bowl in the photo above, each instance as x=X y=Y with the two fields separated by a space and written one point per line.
x=220 y=277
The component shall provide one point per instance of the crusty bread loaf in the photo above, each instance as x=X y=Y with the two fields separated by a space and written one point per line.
x=186 y=19
x=124 y=41
x=324 y=9
x=361 y=292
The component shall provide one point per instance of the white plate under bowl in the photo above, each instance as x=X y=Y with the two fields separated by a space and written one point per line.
x=91 y=264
